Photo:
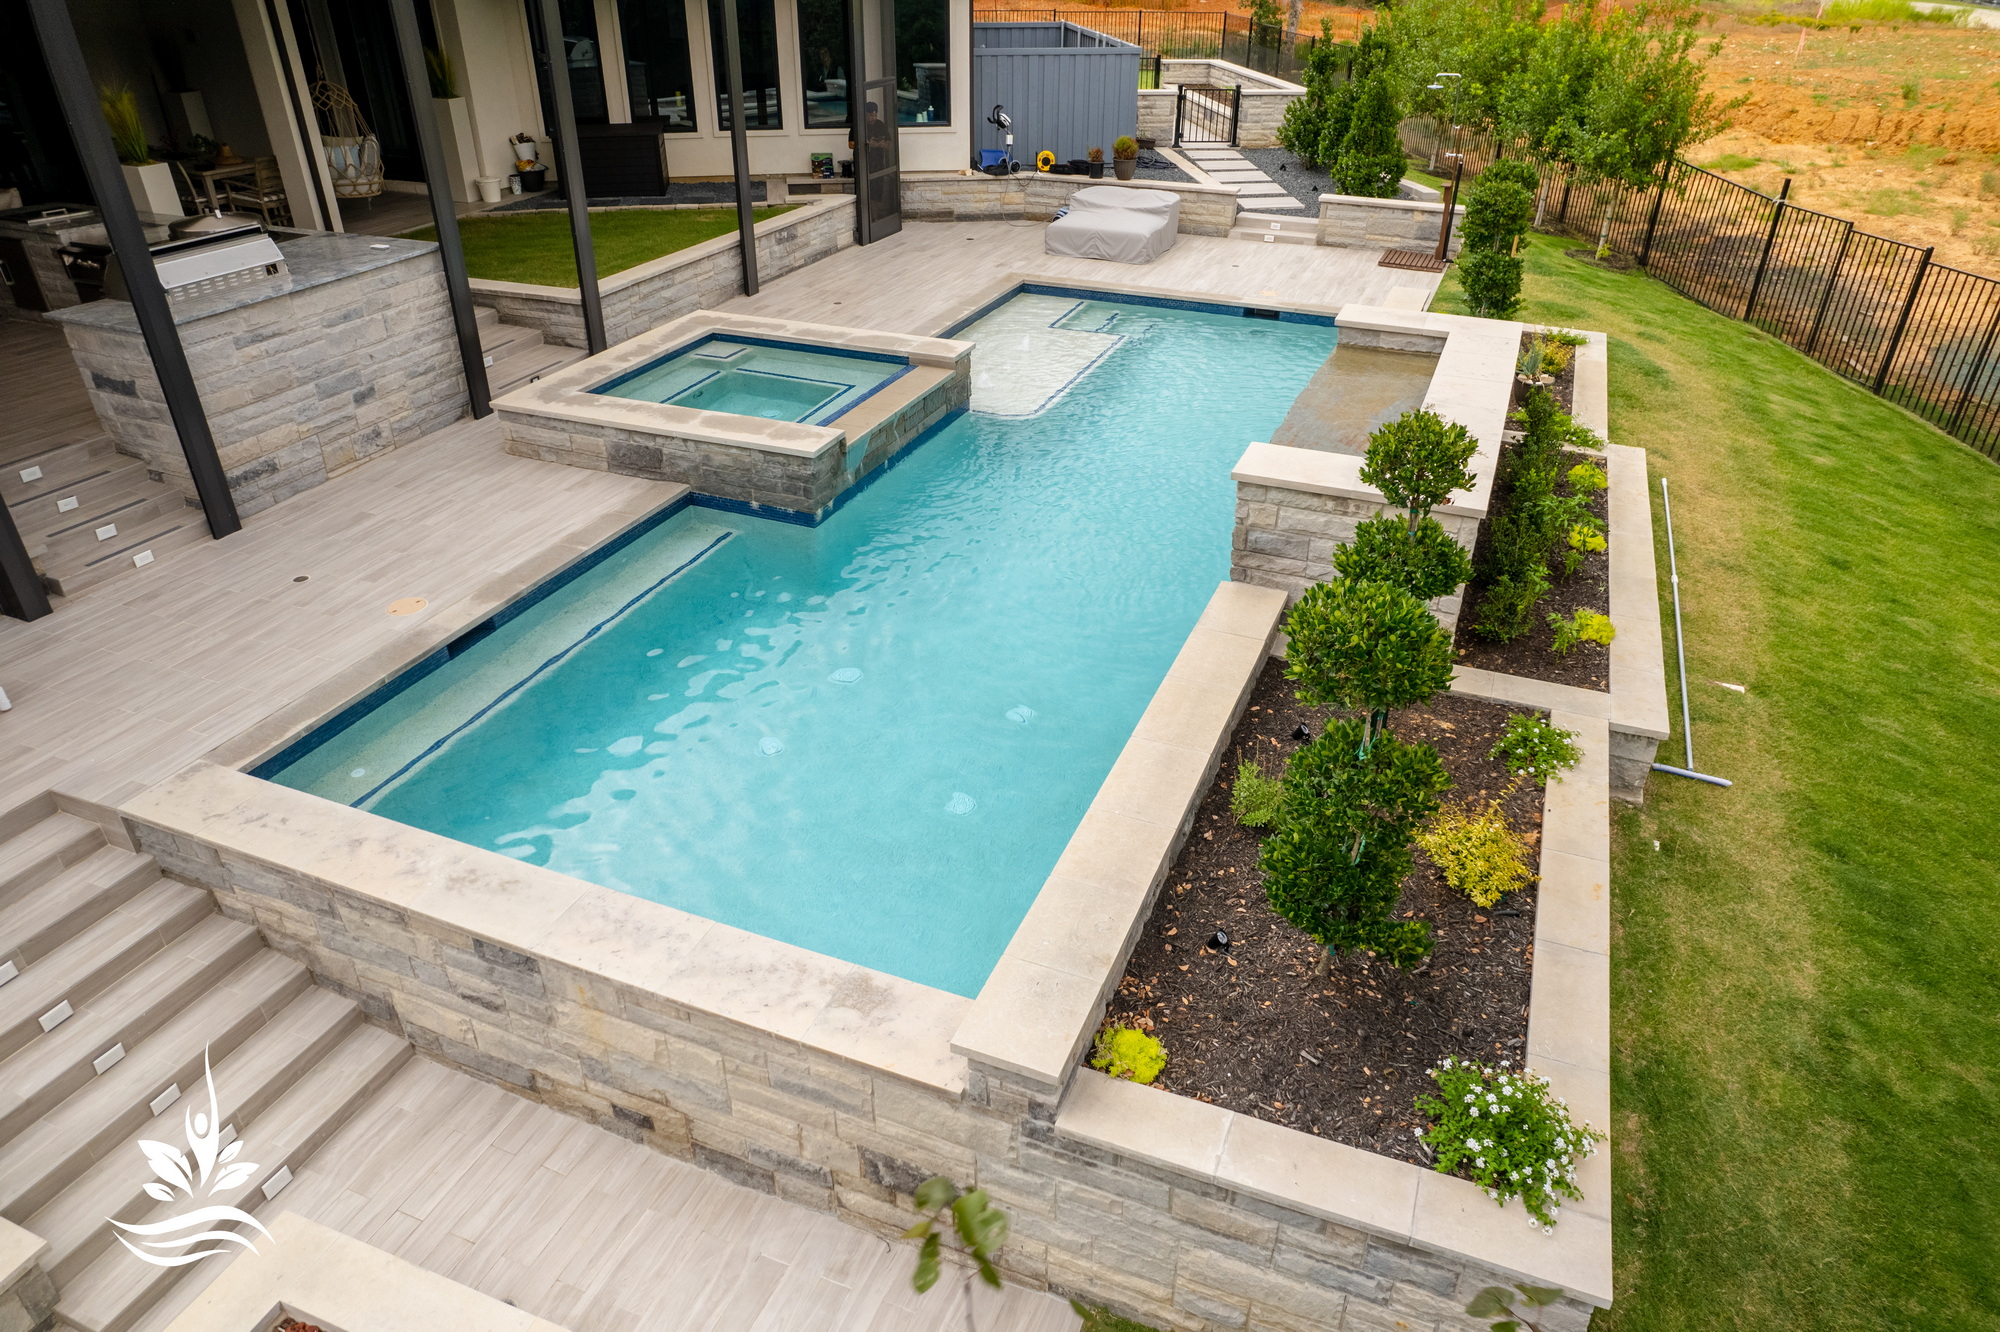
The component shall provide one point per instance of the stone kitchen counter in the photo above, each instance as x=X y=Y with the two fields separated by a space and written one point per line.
x=303 y=374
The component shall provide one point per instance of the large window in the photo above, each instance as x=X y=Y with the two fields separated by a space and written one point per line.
x=923 y=62
x=585 y=60
x=823 y=61
x=757 y=24
x=659 y=74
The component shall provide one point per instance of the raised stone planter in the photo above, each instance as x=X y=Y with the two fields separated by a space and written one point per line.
x=798 y=468
x=699 y=277
x=1347 y=219
x=939 y=196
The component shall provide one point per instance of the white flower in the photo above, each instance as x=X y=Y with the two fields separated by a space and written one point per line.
x=1475 y=1112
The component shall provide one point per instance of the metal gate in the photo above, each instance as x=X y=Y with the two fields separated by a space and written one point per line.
x=1206 y=113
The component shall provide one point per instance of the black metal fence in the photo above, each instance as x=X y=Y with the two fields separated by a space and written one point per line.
x=1183 y=35
x=1876 y=311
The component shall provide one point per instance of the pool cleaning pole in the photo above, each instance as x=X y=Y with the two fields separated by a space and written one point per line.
x=1680 y=656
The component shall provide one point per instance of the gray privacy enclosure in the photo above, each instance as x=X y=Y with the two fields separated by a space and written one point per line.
x=1068 y=89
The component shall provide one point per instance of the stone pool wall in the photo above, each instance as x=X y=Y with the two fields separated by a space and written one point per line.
x=1346 y=219
x=938 y=196
x=697 y=278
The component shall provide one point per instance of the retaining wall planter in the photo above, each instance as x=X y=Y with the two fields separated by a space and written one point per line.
x=1349 y=220
x=673 y=285
x=1206 y=210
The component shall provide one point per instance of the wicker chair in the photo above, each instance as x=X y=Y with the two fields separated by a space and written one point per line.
x=263 y=194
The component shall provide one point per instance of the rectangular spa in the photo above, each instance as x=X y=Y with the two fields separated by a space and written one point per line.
x=871 y=737
x=753 y=377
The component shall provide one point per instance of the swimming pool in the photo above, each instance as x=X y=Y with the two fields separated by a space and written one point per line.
x=752 y=377
x=871 y=738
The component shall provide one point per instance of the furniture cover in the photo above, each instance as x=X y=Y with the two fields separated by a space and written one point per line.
x=1118 y=223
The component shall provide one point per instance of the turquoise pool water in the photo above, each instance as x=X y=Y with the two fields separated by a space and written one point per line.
x=778 y=382
x=871 y=738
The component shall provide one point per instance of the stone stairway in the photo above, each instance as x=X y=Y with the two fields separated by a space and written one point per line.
x=89 y=513
x=517 y=355
x=118 y=985
x=1274 y=229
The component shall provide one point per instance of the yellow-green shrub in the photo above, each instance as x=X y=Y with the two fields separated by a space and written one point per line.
x=1479 y=854
x=1127 y=1052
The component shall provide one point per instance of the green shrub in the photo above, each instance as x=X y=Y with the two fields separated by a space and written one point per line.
x=1582 y=538
x=1099 y=1319
x=1491 y=281
x=1507 y=1133
x=1256 y=797
x=981 y=1229
x=1534 y=749
x=1128 y=1053
x=1371 y=158
x=1124 y=148
x=1586 y=626
x=1418 y=460
x=1425 y=562
x=1585 y=479
x=1507 y=607
x=1478 y=853
x=1336 y=865
x=1515 y=170
x=120 y=108
x=1365 y=647
x=1496 y=1302
x=1316 y=124
x=1497 y=214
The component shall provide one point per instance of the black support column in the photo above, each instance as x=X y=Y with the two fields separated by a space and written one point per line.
x=444 y=214
x=739 y=146
x=569 y=165
x=21 y=592
x=77 y=91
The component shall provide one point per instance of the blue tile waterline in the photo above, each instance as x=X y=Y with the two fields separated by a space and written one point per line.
x=872 y=737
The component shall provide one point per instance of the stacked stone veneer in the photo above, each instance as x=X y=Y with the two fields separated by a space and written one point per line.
x=776 y=1112
x=697 y=278
x=1258 y=114
x=27 y=1292
x=804 y=482
x=1349 y=220
x=1206 y=210
x=297 y=388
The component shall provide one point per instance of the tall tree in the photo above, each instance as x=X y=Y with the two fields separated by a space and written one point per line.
x=1371 y=158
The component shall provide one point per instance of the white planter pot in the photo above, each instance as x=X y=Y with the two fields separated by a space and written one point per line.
x=152 y=189
x=454 y=121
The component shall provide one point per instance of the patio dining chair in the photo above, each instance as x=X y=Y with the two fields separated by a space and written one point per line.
x=263 y=194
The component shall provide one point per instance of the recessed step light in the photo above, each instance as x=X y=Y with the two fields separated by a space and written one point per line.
x=165 y=1098
x=31 y=473
x=276 y=1183
x=107 y=1061
x=142 y=559
x=65 y=505
x=56 y=1016
x=8 y=971
x=106 y=532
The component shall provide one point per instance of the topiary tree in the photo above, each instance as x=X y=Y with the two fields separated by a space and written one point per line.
x=1336 y=866
x=1371 y=160
x=1418 y=460
x=1491 y=282
x=1424 y=561
x=1497 y=214
x=1365 y=647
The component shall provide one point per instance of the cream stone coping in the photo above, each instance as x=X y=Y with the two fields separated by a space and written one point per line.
x=567 y=396
x=1391 y=205
x=816 y=1001
x=1076 y=182
x=1636 y=703
x=667 y=263
x=1591 y=393
x=1045 y=996
x=318 y=1275
x=1569 y=1042
x=1472 y=385
x=20 y=1250
x=995 y=292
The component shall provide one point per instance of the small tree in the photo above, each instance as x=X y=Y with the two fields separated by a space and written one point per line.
x=1418 y=460
x=1424 y=561
x=1315 y=124
x=1491 y=282
x=1365 y=647
x=1371 y=160
x=1497 y=213
x=1336 y=866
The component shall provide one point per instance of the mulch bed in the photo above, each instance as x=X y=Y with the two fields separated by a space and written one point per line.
x=1564 y=388
x=1251 y=1029
x=1588 y=666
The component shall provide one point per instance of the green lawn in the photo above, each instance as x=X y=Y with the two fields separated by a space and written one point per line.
x=535 y=247
x=1806 y=996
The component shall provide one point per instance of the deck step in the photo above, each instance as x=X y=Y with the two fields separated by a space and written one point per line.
x=64 y=462
x=54 y=912
x=120 y=556
x=39 y=509
x=114 y=1292
x=46 y=1156
x=35 y=1080
x=157 y=914
x=77 y=1222
x=525 y=367
x=125 y=514
x=48 y=847
x=485 y=316
x=503 y=340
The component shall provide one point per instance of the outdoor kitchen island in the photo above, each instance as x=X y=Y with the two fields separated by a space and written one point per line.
x=348 y=351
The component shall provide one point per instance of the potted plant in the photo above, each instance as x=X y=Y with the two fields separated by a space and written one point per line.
x=150 y=183
x=1096 y=157
x=1125 y=156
